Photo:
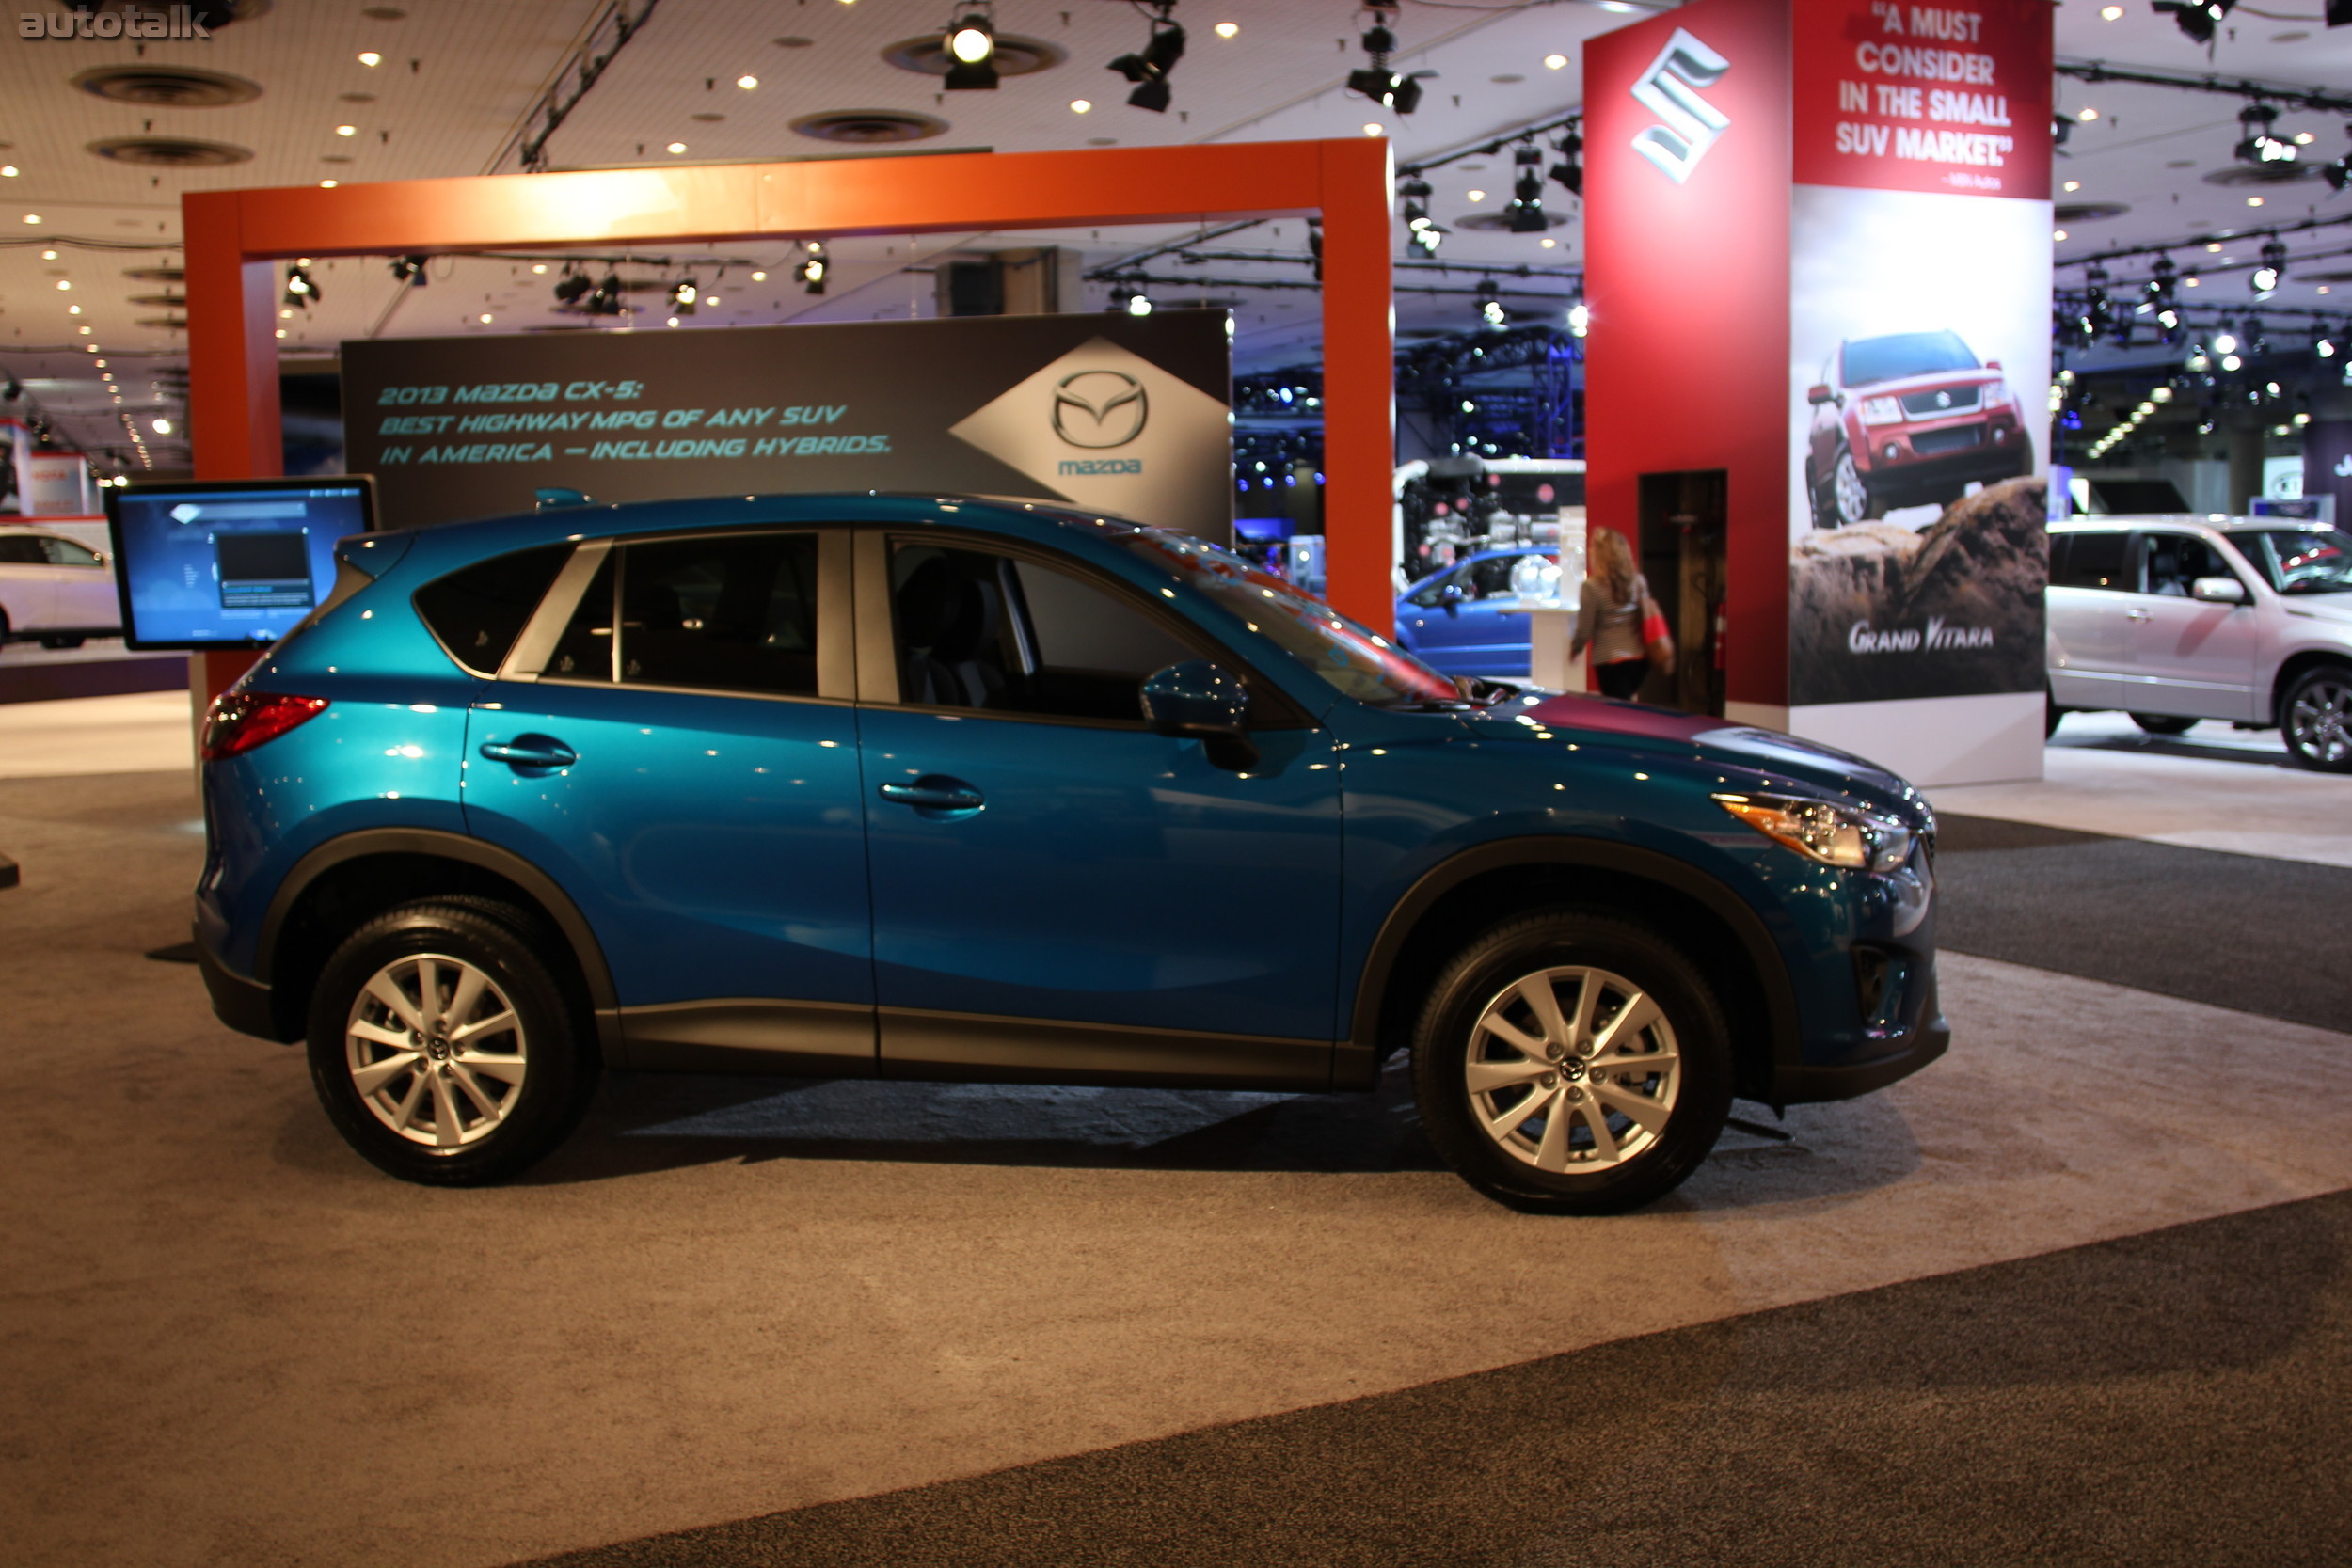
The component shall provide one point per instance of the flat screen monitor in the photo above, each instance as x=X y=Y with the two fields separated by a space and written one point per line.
x=229 y=563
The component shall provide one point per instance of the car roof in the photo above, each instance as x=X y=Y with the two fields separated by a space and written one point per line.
x=2220 y=520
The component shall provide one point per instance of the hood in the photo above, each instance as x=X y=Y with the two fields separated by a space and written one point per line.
x=2335 y=609
x=1743 y=746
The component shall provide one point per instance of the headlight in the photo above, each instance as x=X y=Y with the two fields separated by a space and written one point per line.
x=1824 y=831
x=1882 y=411
x=1996 y=392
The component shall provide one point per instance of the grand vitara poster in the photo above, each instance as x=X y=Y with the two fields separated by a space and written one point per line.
x=1919 y=307
x=1106 y=412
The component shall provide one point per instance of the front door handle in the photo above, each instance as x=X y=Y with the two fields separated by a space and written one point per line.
x=2137 y=614
x=935 y=792
x=531 y=751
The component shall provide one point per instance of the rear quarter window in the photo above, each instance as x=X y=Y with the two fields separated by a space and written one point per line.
x=479 y=611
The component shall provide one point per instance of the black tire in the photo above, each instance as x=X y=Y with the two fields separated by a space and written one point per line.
x=61 y=642
x=549 y=1049
x=1620 y=958
x=1871 y=508
x=2315 y=718
x=2164 y=723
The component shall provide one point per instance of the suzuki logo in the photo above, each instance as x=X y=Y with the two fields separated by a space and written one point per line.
x=1689 y=124
x=1100 y=409
x=1943 y=400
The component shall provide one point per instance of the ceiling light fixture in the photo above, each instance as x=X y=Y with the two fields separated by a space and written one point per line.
x=1149 y=68
x=747 y=81
x=1569 y=171
x=370 y=59
x=2266 y=279
x=812 y=271
x=409 y=269
x=2195 y=18
x=300 y=290
x=2259 y=144
x=1385 y=88
x=1228 y=30
x=1490 y=308
x=571 y=286
x=605 y=299
x=971 y=44
x=685 y=296
x=1525 y=210
x=1420 y=228
x=1138 y=302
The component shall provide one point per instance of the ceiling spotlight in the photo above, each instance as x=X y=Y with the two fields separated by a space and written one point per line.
x=1138 y=303
x=605 y=299
x=409 y=269
x=370 y=59
x=1579 y=319
x=2324 y=347
x=2267 y=278
x=1525 y=210
x=569 y=287
x=161 y=426
x=300 y=290
x=1569 y=171
x=1375 y=81
x=2195 y=18
x=684 y=296
x=1149 y=68
x=747 y=83
x=2224 y=343
x=2259 y=144
x=971 y=43
x=1490 y=307
x=812 y=271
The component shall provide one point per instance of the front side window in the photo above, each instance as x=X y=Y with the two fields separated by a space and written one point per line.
x=2172 y=563
x=1345 y=656
x=65 y=552
x=995 y=633
x=2301 y=559
x=2091 y=560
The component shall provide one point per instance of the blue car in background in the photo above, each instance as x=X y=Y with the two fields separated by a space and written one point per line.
x=916 y=788
x=1458 y=621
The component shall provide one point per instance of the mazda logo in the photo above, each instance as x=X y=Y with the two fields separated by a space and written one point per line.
x=1099 y=408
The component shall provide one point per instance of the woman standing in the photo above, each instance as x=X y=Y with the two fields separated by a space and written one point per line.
x=1610 y=611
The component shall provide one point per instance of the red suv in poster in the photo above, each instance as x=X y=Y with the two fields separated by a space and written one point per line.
x=1908 y=419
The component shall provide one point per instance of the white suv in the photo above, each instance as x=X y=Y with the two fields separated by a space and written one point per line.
x=54 y=588
x=2176 y=619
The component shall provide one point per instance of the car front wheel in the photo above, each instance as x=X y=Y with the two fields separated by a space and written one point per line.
x=1848 y=495
x=2315 y=718
x=2164 y=723
x=442 y=1046
x=1570 y=1062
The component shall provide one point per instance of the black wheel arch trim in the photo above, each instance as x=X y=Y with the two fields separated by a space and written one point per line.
x=1361 y=1050
x=445 y=845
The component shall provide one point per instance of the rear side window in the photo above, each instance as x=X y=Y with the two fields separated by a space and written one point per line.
x=20 y=550
x=2092 y=561
x=734 y=613
x=478 y=612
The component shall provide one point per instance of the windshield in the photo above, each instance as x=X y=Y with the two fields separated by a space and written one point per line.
x=1872 y=360
x=2300 y=559
x=1343 y=655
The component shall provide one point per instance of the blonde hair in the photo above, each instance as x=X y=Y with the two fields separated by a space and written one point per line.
x=1612 y=560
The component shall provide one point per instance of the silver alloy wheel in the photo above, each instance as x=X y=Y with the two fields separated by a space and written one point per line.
x=1854 y=499
x=2319 y=720
x=435 y=1050
x=1573 y=1070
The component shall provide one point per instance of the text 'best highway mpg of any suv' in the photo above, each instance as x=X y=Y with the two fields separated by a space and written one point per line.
x=938 y=788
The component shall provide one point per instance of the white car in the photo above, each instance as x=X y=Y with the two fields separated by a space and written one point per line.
x=54 y=589
x=2173 y=619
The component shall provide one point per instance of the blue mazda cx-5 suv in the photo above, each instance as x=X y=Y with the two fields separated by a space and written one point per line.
x=894 y=786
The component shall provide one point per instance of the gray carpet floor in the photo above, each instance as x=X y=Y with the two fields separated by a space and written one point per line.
x=2176 y=1398
x=2262 y=936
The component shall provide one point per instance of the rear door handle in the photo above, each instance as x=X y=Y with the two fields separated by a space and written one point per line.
x=935 y=792
x=531 y=751
x=2137 y=614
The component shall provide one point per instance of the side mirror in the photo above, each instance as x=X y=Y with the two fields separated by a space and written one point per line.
x=1992 y=364
x=1197 y=699
x=2218 y=590
x=1818 y=395
x=1450 y=598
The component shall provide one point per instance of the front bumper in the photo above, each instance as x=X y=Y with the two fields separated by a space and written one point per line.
x=246 y=1006
x=1803 y=1083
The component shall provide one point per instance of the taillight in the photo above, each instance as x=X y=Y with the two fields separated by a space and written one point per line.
x=240 y=721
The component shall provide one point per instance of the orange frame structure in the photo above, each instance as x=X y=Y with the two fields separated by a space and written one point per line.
x=236 y=239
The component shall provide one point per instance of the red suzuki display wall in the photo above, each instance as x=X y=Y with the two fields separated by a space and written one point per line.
x=1818 y=252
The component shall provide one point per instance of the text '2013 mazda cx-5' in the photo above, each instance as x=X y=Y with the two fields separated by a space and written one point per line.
x=942 y=788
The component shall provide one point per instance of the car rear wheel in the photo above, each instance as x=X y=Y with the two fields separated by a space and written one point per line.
x=1569 y=1062
x=2164 y=723
x=2315 y=718
x=61 y=642
x=444 y=1049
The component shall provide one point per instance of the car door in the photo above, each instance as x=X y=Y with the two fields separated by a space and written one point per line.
x=1431 y=625
x=2092 y=576
x=1059 y=893
x=28 y=587
x=85 y=589
x=673 y=741
x=2188 y=657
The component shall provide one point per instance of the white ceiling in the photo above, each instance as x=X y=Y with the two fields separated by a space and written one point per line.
x=459 y=77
